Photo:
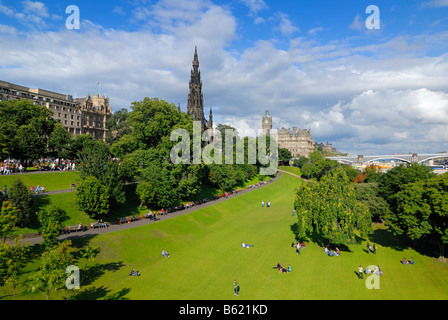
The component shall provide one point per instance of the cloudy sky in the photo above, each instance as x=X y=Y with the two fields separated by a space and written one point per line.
x=366 y=85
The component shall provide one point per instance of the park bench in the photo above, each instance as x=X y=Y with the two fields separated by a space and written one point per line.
x=96 y=224
x=74 y=228
x=128 y=219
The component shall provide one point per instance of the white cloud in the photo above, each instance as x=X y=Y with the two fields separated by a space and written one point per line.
x=357 y=23
x=435 y=3
x=286 y=27
x=255 y=5
x=384 y=95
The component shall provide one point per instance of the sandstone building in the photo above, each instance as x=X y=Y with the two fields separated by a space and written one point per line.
x=78 y=116
x=298 y=142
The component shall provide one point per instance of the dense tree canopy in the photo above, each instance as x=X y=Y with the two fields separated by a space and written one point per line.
x=328 y=208
x=422 y=210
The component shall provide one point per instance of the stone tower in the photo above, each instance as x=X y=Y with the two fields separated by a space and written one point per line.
x=195 y=104
x=266 y=125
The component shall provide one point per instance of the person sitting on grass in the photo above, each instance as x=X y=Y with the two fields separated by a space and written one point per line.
x=165 y=254
x=404 y=261
x=134 y=273
x=411 y=261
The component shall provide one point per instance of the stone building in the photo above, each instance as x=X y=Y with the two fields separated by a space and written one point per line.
x=195 y=104
x=78 y=116
x=95 y=112
x=298 y=142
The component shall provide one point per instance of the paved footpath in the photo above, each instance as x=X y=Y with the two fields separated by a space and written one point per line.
x=117 y=227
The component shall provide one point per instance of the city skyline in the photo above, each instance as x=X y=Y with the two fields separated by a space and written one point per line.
x=314 y=65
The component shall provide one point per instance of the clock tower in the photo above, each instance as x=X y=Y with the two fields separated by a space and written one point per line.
x=266 y=125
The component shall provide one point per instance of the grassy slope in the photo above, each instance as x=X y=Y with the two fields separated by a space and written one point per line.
x=50 y=180
x=206 y=257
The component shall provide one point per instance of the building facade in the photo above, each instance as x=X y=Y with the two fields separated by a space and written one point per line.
x=78 y=116
x=298 y=142
x=195 y=104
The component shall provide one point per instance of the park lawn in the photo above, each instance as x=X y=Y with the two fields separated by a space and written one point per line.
x=206 y=256
x=294 y=170
x=51 y=181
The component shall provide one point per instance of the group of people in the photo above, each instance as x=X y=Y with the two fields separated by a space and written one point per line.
x=376 y=271
x=100 y=222
x=38 y=189
x=268 y=204
x=8 y=168
x=334 y=253
x=282 y=269
x=299 y=246
x=410 y=261
x=371 y=248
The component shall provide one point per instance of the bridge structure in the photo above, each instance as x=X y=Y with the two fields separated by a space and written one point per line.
x=424 y=158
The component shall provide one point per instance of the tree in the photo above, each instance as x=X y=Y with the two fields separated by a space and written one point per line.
x=422 y=211
x=59 y=141
x=51 y=273
x=12 y=262
x=93 y=197
x=395 y=179
x=51 y=225
x=329 y=209
x=117 y=126
x=21 y=198
x=8 y=219
x=154 y=119
x=368 y=193
x=96 y=162
x=27 y=145
x=284 y=155
x=26 y=127
x=3 y=146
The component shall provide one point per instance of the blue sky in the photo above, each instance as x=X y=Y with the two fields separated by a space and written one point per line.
x=314 y=64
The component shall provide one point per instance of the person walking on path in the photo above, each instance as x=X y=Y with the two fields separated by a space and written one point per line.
x=374 y=248
x=368 y=248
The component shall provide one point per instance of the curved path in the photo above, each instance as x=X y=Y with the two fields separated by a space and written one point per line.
x=116 y=227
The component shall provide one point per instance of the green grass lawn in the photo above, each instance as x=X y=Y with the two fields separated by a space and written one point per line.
x=294 y=170
x=206 y=257
x=51 y=181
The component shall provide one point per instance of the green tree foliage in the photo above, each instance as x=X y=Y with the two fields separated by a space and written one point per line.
x=117 y=126
x=12 y=262
x=153 y=120
x=368 y=193
x=27 y=145
x=59 y=142
x=328 y=209
x=51 y=225
x=51 y=273
x=27 y=128
x=316 y=166
x=422 y=211
x=93 y=197
x=21 y=198
x=8 y=219
x=396 y=178
x=284 y=155
x=79 y=143
x=95 y=161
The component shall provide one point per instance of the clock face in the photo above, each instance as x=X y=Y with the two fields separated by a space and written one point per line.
x=266 y=121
